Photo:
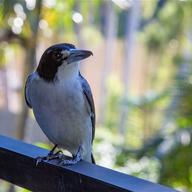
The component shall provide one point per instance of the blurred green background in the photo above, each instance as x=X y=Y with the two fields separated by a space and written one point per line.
x=141 y=78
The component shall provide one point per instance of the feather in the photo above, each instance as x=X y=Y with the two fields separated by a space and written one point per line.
x=89 y=97
x=29 y=79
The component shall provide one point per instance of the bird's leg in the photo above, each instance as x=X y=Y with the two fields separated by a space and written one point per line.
x=51 y=155
x=52 y=150
x=76 y=158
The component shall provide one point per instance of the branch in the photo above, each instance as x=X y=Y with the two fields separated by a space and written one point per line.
x=8 y=36
x=160 y=4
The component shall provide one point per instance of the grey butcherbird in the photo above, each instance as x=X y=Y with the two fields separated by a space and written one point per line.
x=62 y=101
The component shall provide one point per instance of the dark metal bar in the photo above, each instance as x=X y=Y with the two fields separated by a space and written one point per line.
x=17 y=165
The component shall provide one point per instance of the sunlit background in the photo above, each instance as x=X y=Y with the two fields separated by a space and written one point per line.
x=140 y=76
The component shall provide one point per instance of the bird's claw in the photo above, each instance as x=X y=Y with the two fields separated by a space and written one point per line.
x=62 y=159
x=76 y=158
x=51 y=156
x=38 y=160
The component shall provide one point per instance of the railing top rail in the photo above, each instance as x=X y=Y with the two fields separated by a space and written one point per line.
x=17 y=165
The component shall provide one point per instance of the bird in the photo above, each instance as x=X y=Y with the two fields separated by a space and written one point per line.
x=62 y=102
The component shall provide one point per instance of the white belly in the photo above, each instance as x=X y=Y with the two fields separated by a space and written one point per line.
x=61 y=112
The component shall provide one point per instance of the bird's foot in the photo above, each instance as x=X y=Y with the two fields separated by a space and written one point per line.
x=57 y=155
x=51 y=156
x=76 y=158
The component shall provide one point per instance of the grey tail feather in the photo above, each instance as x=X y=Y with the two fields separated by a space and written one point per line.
x=92 y=159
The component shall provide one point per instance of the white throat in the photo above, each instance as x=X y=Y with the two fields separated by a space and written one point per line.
x=68 y=71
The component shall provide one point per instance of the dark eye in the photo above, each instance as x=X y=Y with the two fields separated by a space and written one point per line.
x=58 y=55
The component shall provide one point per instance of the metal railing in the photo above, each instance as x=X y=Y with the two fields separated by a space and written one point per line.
x=18 y=166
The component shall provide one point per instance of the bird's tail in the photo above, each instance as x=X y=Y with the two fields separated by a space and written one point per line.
x=92 y=159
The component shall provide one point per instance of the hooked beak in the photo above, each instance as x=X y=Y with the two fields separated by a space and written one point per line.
x=77 y=55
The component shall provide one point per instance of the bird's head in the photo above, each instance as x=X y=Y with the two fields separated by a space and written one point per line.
x=57 y=56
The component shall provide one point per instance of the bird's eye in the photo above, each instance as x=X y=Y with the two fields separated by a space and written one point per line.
x=58 y=55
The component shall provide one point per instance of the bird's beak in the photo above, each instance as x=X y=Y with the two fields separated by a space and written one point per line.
x=77 y=55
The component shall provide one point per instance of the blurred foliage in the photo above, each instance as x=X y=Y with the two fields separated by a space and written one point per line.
x=184 y=109
x=155 y=120
x=178 y=161
x=115 y=90
x=2 y=56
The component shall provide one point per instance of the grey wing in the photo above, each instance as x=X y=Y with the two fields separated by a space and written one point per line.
x=89 y=97
x=27 y=84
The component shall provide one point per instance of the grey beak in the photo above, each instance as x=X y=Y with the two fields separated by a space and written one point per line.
x=77 y=55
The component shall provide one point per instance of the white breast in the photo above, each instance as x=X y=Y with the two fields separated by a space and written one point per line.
x=61 y=112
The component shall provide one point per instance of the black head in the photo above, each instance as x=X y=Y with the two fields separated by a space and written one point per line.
x=57 y=55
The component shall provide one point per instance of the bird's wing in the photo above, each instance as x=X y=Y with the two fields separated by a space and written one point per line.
x=27 y=84
x=89 y=97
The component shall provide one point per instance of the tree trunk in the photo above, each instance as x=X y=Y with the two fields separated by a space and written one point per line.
x=131 y=30
x=30 y=63
x=78 y=26
x=110 y=33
